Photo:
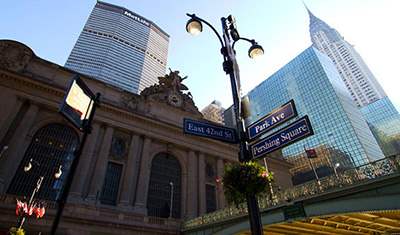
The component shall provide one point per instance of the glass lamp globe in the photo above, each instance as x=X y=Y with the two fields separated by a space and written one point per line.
x=256 y=51
x=194 y=27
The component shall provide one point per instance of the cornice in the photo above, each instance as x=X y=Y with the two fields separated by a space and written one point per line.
x=162 y=130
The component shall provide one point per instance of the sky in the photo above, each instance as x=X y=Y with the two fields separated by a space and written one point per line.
x=51 y=28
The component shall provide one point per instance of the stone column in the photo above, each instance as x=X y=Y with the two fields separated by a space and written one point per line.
x=220 y=189
x=129 y=181
x=202 y=184
x=192 y=189
x=13 y=156
x=101 y=164
x=81 y=175
x=144 y=179
x=8 y=117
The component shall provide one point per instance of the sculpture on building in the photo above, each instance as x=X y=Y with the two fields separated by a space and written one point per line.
x=15 y=57
x=172 y=91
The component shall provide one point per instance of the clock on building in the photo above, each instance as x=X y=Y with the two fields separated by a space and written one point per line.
x=175 y=99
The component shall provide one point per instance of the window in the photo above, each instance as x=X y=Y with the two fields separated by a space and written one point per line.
x=211 y=202
x=51 y=146
x=109 y=193
x=119 y=145
x=165 y=169
x=210 y=173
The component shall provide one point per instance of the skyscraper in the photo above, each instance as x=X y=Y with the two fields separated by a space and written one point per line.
x=384 y=122
x=356 y=75
x=214 y=112
x=121 y=48
x=341 y=134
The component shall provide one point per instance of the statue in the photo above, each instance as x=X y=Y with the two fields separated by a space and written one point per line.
x=171 y=90
x=173 y=81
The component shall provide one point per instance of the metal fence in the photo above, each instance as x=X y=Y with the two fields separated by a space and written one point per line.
x=358 y=175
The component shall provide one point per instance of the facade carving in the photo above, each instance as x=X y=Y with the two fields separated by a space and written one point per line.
x=169 y=90
x=15 y=57
x=130 y=133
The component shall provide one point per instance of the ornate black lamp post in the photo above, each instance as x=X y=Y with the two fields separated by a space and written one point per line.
x=79 y=107
x=229 y=37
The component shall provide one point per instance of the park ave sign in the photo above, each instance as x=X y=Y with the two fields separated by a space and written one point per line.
x=272 y=120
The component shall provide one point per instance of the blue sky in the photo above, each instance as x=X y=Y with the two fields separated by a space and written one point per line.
x=51 y=28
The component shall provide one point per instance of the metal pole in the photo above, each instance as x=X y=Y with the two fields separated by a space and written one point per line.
x=334 y=168
x=269 y=182
x=171 y=199
x=3 y=150
x=74 y=165
x=354 y=166
x=231 y=67
x=315 y=172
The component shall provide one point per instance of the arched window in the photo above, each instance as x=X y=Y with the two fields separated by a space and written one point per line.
x=165 y=169
x=51 y=146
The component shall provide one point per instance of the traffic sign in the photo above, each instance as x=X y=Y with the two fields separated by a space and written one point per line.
x=272 y=120
x=209 y=130
x=288 y=135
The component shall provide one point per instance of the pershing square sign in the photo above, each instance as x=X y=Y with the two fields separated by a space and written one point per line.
x=288 y=135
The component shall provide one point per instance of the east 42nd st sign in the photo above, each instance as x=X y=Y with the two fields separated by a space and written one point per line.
x=209 y=130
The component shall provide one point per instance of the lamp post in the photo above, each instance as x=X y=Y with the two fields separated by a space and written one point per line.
x=3 y=150
x=31 y=204
x=337 y=165
x=86 y=128
x=229 y=37
x=171 y=199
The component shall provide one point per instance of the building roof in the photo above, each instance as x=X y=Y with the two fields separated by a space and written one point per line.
x=133 y=13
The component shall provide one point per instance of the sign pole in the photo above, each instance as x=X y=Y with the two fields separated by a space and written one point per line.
x=313 y=168
x=61 y=202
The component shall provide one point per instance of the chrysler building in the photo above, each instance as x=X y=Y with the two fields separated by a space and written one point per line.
x=359 y=80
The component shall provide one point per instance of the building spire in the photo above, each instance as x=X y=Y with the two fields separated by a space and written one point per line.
x=313 y=18
x=308 y=10
x=317 y=25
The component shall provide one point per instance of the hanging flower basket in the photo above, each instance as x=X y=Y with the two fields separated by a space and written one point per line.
x=242 y=179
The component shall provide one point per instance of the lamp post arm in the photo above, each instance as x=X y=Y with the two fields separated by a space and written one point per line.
x=252 y=41
x=193 y=16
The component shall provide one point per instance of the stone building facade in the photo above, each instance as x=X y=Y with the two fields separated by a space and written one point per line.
x=134 y=154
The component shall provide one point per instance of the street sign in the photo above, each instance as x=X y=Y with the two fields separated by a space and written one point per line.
x=78 y=103
x=294 y=211
x=279 y=139
x=208 y=130
x=272 y=120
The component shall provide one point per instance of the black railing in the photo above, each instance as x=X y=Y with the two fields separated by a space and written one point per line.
x=380 y=168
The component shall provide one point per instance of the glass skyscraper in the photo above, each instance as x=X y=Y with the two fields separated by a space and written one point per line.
x=357 y=77
x=341 y=134
x=121 y=48
x=384 y=122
